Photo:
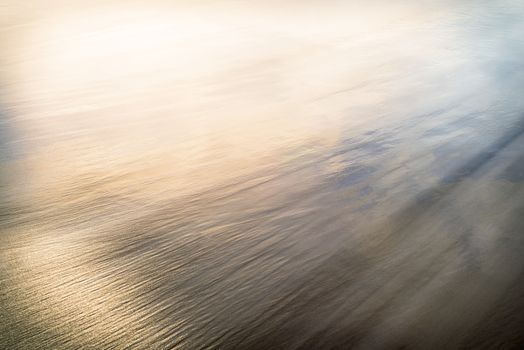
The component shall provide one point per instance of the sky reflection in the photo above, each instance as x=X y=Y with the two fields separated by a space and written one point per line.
x=257 y=175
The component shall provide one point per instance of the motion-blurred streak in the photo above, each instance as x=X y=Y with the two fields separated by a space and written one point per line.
x=262 y=175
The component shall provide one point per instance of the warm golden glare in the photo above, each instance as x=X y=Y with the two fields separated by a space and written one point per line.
x=263 y=174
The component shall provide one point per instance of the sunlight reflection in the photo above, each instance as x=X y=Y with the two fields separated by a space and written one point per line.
x=268 y=119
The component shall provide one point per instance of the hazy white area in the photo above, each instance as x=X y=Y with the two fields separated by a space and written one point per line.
x=219 y=87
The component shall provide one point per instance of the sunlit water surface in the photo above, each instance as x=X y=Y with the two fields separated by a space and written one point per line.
x=286 y=174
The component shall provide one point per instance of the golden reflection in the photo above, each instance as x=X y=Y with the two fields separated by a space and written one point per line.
x=125 y=109
x=177 y=90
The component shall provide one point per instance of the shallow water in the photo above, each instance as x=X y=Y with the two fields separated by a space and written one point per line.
x=267 y=175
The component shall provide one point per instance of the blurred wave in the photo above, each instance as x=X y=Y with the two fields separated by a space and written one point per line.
x=315 y=175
